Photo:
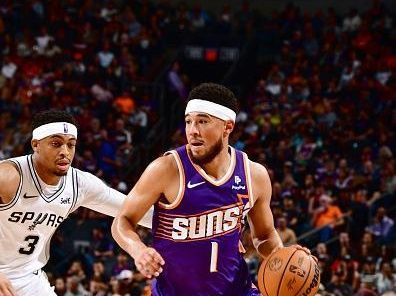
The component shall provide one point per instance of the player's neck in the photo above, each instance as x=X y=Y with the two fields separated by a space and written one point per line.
x=218 y=167
x=45 y=176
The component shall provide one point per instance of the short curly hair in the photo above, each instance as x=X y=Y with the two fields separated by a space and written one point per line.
x=50 y=116
x=215 y=93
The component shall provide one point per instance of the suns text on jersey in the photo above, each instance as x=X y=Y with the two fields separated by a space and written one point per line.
x=207 y=224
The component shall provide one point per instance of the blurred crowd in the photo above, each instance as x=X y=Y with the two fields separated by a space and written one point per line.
x=87 y=57
x=321 y=117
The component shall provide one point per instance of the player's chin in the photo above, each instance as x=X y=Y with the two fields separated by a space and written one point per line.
x=197 y=150
x=200 y=153
x=62 y=171
x=198 y=156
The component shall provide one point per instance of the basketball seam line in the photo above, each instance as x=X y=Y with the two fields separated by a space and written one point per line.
x=309 y=272
x=287 y=264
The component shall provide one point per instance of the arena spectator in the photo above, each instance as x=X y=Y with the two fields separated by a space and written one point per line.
x=122 y=137
x=367 y=288
x=338 y=286
x=97 y=288
x=99 y=273
x=123 y=263
x=102 y=247
x=287 y=235
x=125 y=103
x=9 y=68
x=385 y=279
x=76 y=271
x=381 y=226
x=176 y=84
x=60 y=286
x=127 y=283
x=326 y=217
x=74 y=287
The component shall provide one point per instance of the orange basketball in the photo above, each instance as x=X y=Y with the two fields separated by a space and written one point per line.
x=289 y=271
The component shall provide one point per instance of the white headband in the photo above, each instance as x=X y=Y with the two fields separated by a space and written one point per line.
x=53 y=128
x=211 y=108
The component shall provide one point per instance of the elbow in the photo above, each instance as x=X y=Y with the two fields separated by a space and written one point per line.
x=114 y=227
x=120 y=225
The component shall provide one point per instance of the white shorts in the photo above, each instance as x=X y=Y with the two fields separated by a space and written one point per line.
x=33 y=284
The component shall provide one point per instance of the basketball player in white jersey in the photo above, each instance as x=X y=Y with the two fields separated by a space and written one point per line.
x=37 y=192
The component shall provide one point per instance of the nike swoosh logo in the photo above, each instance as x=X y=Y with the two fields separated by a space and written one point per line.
x=29 y=196
x=190 y=186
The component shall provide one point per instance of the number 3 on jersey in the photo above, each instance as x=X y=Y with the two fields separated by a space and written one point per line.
x=31 y=240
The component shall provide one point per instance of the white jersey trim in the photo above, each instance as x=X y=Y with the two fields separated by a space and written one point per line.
x=36 y=182
x=246 y=162
x=182 y=183
x=223 y=179
x=75 y=191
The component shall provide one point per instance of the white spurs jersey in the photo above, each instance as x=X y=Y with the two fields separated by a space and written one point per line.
x=28 y=222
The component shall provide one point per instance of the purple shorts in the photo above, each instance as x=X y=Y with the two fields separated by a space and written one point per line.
x=253 y=291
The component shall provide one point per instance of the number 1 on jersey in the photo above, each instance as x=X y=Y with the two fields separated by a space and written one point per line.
x=213 y=256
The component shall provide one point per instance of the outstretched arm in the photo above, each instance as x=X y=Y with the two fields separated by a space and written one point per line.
x=265 y=237
x=101 y=198
x=144 y=194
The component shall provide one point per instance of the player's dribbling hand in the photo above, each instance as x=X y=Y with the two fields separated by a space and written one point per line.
x=6 y=288
x=306 y=250
x=149 y=262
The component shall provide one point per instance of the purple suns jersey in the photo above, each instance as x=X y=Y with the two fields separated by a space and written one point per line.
x=198 y=234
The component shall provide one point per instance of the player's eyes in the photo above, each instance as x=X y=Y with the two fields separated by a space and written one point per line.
x=199 y=121
x=56 y=144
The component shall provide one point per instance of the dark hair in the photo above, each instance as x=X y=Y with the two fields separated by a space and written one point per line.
x=52 y=115
x=215 y=93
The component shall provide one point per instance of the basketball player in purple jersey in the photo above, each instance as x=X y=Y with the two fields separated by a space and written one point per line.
x=201 y=192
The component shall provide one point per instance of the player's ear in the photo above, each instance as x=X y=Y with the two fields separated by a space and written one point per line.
x=228 y=127
x=35 y=144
